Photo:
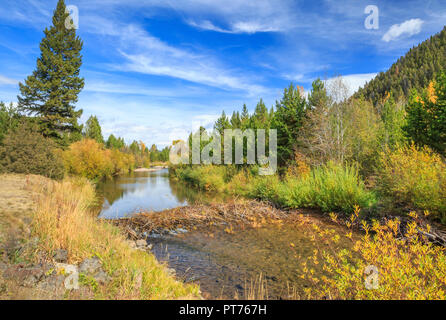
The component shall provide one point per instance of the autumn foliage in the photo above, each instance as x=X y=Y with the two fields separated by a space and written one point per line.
x=414 y=177
x=385 y=263
x=88 y=158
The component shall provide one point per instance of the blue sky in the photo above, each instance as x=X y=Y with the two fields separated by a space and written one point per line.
x=155 y=68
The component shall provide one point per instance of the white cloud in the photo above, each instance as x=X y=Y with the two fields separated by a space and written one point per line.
x=355 y=81
x=149 y=55
x=229 y=16
x=249 y=27
x=407 y=28
x=253 y=27
x=7 y=81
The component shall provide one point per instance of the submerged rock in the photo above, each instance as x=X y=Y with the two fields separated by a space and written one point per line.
x=155 y=235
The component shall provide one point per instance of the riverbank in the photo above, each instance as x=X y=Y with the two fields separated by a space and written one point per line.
x=59 y=221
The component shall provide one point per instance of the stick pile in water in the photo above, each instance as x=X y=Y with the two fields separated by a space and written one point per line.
x=237 y=212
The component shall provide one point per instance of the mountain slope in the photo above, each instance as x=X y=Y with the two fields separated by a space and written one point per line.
x=414 y=70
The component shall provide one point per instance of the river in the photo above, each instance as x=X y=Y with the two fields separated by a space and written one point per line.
x=146 y=191
x=249 y=263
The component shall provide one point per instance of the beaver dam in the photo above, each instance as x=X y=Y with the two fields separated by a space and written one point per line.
x=238 y=249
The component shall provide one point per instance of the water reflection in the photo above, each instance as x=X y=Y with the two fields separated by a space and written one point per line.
x=146 y=191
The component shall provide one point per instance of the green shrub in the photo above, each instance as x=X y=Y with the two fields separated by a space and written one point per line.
x=208 y=177
x=330 y=188
x=25 y=150
x=265 y=188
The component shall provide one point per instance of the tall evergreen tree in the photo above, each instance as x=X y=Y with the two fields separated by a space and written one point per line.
x=236 y=122
x=51 y=92
x=245 y=113
x=93 y=129
x=318 y=96
x=288 y=120
x=260 y=118
x=222 y=123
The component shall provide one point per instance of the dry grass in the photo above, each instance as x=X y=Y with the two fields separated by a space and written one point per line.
x=15 y=205
x=63 y=220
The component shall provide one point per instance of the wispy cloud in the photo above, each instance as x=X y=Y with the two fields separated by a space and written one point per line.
x=249 y=27
x=147 y=54
x=407 y=28
x=7 y=81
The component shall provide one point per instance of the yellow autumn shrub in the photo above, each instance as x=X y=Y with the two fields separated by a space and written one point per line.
x=88 y=158
x=416 y=177
x=383 y=264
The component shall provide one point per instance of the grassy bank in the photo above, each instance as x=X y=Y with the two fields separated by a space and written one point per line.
x=329 y=188
x=63 y=219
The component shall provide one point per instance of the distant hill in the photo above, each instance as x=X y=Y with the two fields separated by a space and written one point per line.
x=414 y=70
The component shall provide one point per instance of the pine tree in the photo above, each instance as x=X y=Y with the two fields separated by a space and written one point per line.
x=318 y=96
x=134 y=147
x=93 y=130
x=260 y=119
x=288 y=120
x=115 y=143
x=245 y=114
x=52 y=90
x=236 y=122
x=222 y=123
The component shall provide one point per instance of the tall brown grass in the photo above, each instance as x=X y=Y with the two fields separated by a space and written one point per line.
x=63 y=219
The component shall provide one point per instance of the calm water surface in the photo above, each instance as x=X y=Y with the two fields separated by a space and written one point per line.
x=145 y=191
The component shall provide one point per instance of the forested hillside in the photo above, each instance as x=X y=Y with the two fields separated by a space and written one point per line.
x=414 y=70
